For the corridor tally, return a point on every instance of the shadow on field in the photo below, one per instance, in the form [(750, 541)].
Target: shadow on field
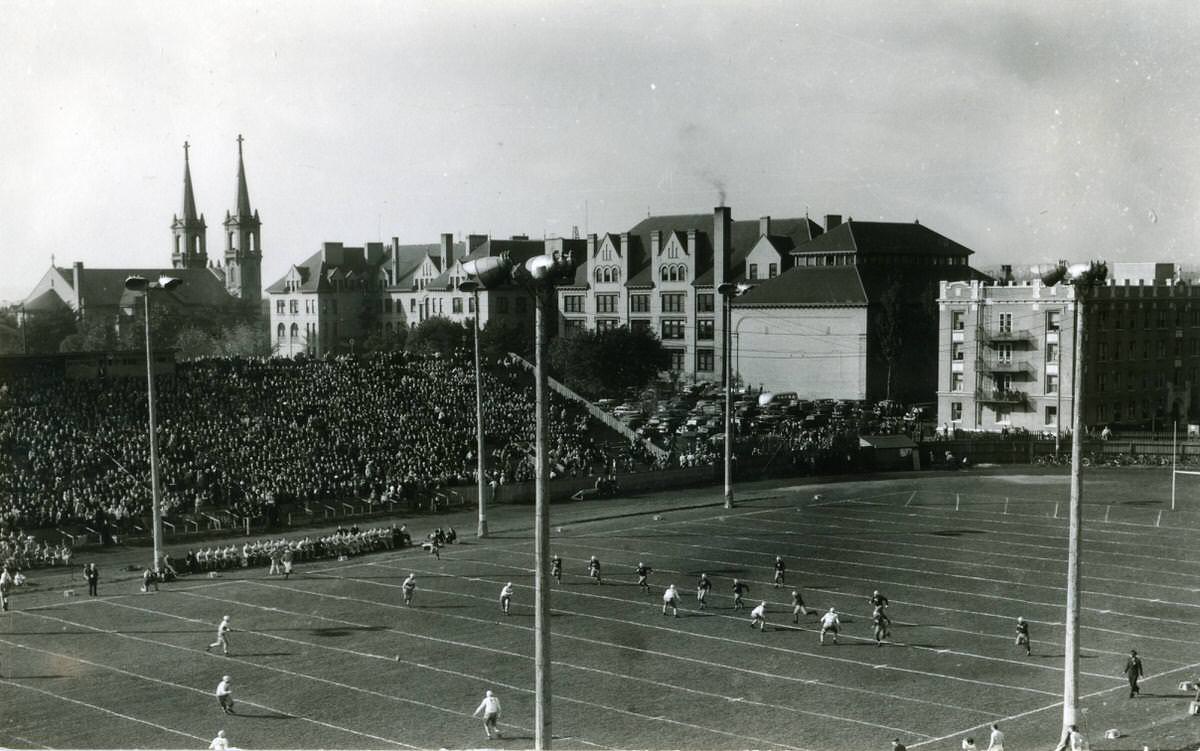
[(265, 654), (267, 715)]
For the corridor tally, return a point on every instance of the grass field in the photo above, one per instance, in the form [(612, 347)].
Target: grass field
[(333, 659)]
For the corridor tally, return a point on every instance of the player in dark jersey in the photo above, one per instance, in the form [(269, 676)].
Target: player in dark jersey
[(642, 572), (797, 606), (739, 589), (1023, 636), (882, 625), (594, 569), (878, 601), (780, 571), (556, 568), (703, 585)]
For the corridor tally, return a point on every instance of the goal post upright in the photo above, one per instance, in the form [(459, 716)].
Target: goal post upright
[(1174, 459)]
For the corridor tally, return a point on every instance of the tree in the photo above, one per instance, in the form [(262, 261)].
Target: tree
[(45, 331), (438, 336), (386, 341), (502, 335), (889, 329), (243, 340), (609, 362), (192, 343), (95, 333)]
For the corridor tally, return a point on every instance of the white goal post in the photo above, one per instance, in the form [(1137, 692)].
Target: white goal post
[(1175, 470)]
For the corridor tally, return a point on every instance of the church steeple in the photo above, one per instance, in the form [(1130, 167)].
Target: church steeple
[(243, 254), (190, 232)]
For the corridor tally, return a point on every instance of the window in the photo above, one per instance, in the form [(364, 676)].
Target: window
[(958, 320), (704, 303), (295, 332), (279, 307), (639, 324), (607, 324), (1002, 414), (606, 303), (677, 356), (573, 304), (1051, 415), (294, 307), (1145, 350), (704, 360), (1004, 353), (1101, 382), (1102, 351), (1006, 323), (956, 411), (456, 305), (280, 330), (672, 302), (1051, 383), (956, 381), (956, 351), (1162, 319), (704, 329), (1161, 349), (387, 305), (1052, 352), (772, 270), (672, 328), (752, 274), (1053, 320), (471, 304), (412, 305), (573, 324), (641, 303)]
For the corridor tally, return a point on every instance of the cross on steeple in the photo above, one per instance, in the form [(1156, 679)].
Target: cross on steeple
[(186, 145), (239, 140)]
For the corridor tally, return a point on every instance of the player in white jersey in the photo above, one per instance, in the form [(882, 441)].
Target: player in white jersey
[(671, 600), (223, 629)]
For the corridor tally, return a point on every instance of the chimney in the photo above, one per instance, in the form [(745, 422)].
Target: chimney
[(691, 243), (395, 258), (574, 231), (832, 220), (447, 251), (1006, 270), (655, 243), (474, 242), (764, 226), (77, 282), (722, 244), (624, 244)]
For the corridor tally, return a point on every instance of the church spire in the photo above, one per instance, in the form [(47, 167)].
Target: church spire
[(243, 194), (189, 199)]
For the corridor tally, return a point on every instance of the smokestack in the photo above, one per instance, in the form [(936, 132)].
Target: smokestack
[(395, 259), (77, 281), (447, 248), (832, 220), (1006, 270), (764, 226), (722, 244)]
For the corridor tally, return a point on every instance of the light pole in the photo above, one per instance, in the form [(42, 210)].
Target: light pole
[(727, 292), (538, 276), (472, 286), (145, 286)]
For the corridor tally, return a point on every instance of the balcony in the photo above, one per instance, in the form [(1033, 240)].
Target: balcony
[(985, 365), (1009, 335), (1000, 396)]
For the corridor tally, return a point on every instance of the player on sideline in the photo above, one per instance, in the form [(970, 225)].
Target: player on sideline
[(149, 579), (780, 571), (223, 629), (506, 593), (642, 572), (556, 568), (1023, 636), (409, 586), (287, 558), (758, 617), (882, 626), (797, 606), (490, 706), (594, 569), (739, 589), (225, 695), (830, 623), (671, 600), (703, 585)]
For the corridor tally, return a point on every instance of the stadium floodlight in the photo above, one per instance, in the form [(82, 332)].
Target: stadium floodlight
[(728, 291), (489, 271), (137, 283)]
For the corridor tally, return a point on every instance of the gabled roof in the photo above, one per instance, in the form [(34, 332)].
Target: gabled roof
[(47, 302), (823, 286), (407, 260), (876, 238), (106, 287)]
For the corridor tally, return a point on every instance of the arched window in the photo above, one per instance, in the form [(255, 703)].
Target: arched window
[(599, 274), (616, 275), (280, 331), (663, 273), (295, 330), (253, 242), (683, 273)]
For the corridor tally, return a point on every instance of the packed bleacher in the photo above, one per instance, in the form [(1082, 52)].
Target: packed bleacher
[(246, 435)]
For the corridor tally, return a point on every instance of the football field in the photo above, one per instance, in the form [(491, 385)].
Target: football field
[(333, 658)]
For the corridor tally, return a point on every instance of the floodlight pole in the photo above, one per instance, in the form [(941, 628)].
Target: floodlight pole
[(1074, 534), (541, 625), (155, 488), (480, 486)]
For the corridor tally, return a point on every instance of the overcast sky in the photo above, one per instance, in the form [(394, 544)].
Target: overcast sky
[(1027, 131)]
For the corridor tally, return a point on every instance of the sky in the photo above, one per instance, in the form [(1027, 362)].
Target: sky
[(1028, 131)]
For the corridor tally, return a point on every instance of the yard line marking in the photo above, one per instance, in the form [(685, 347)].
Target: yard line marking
[(910, 499), (82, 703), (587, 640), (960, 653), (478, 678), (742, 642), (172, 684), (31, 743)]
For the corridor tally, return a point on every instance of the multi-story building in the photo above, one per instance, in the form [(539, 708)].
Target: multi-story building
[(663, 275), (851, 317), (1006, 351)]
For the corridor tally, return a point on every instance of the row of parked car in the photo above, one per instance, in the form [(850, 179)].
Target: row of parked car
[(699, 412)]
